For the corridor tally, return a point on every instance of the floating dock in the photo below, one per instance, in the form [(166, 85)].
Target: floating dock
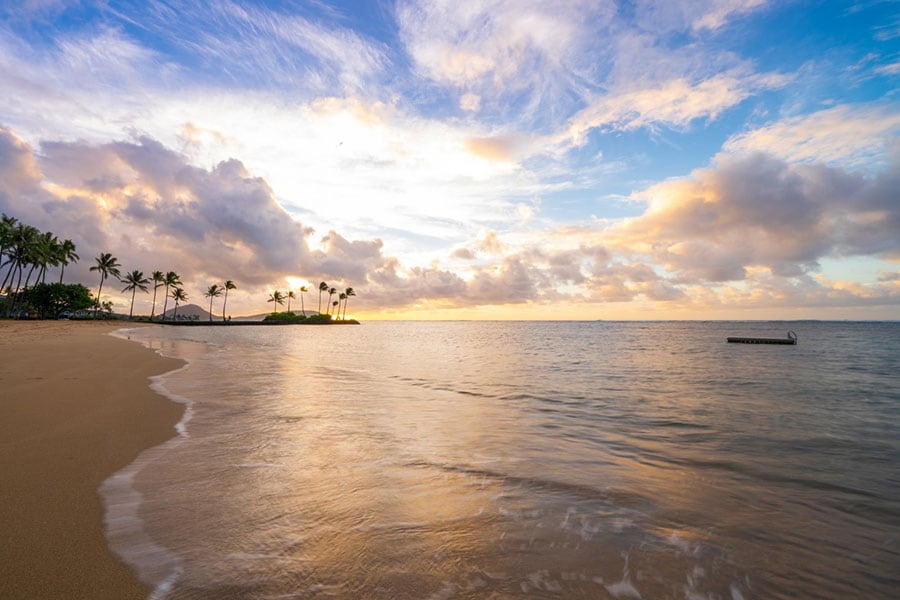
[(791, 339)]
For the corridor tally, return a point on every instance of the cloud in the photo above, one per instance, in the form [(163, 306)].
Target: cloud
[(758, 211), (852, 136), (674, 103), (500, 50)]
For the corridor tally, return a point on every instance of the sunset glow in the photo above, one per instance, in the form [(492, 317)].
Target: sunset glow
[(720, 159)]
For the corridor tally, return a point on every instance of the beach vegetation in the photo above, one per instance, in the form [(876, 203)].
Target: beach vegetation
[(347, 293), (213, 291), (229, 285), (27, 254), (108, 265), (135, 281), (159, 279), (171, 280), (323, 287), (277, 298), (50, 300), (286, 316), (303, 290), (178, 295), (66, 256), (290, 295)]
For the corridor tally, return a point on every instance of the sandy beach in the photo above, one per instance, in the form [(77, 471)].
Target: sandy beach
[(75, 407)]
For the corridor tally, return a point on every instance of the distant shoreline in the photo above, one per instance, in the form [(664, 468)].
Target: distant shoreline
[(245, 323)]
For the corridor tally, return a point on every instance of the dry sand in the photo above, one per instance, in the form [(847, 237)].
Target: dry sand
[(75, 407)]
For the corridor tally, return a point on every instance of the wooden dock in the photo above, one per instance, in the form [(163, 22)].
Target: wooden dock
[(791, 340)]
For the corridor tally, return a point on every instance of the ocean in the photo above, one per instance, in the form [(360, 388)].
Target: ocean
[(432, 460)]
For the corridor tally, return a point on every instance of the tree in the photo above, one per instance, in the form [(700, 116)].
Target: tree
[(334, 306), (341, 298), (214, 291), (134, 281), (159, 279), (171, 280), (323, 287), (347, 293), (66, 256), (290, 296), (276, 297), (229, 285), (107, 265), (331, 292), (303, 290), (178, 295), (51, 299)]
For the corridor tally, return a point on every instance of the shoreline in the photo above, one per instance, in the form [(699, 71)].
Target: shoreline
[(76, 408)]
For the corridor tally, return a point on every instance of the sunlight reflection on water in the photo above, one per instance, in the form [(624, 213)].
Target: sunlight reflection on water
[(415, 460)]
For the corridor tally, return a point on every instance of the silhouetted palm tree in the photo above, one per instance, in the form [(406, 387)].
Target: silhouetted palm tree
[(348, 292), (171, 280), (67, 256), (178, 295), (159, 279), (107, 265), (303, 290), (331, 292), (229, 285), (334, 306), (323, 287), (276, 297), (134, 281), (214, 291), (341, 298), (290, 295)]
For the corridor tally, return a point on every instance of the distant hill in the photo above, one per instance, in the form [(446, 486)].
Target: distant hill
[(191, 311), (198, 313)]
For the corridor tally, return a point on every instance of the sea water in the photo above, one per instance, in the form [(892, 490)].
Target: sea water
[(520, 460)]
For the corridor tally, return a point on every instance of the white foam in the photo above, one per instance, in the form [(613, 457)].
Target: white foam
[(153, 564)]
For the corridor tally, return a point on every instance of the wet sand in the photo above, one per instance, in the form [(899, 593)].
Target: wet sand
[(75, 407)]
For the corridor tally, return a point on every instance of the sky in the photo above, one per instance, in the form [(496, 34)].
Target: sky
[(485, 159)]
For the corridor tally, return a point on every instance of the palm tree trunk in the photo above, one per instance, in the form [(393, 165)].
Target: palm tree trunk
[(99, 291), (153, 308), (210, 308), (224, 302), (131, 312), (302, 308), (62, 270), (165, 304)]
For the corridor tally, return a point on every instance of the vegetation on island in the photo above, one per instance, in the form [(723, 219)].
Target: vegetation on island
[(26, 255)]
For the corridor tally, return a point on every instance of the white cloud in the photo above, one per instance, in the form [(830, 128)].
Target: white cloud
[(852, 136)]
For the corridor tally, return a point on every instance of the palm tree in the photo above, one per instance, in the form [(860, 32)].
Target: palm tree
[(290, 295), (107, 265), (214, 291), (303, 290), (134, 281), (229, 285), (276, 297), (178, 295), (7, 225), (341, 298), (323, 287), (159, 280), (20, 250), (171, 279), (334, 306), (331, 292), (66, 256), (348, 292)]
